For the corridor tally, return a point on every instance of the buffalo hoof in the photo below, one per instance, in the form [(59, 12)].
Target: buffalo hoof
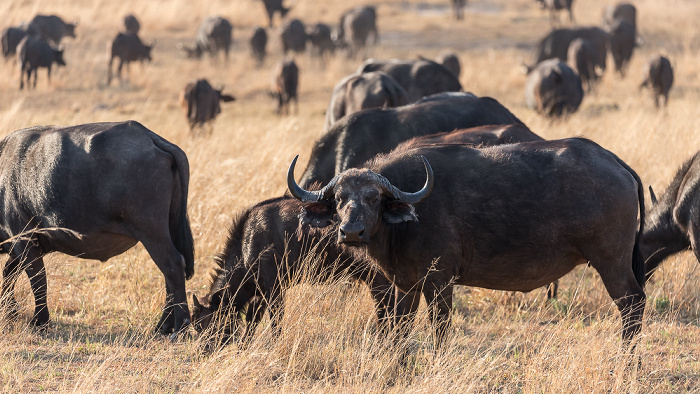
[(166, 325)]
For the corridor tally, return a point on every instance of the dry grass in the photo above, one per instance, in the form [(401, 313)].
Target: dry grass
[(101, 339)]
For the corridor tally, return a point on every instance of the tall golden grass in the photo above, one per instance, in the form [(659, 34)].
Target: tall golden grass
[(102, 340)]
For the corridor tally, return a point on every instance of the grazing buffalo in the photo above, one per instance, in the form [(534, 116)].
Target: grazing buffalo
[(201, 103), (214, 34), (131, 24), (556, 44), (94, 191), (623, 40), (11, 37), (363, 91), (51, 28), (359, 137), (503, 231), (258, 43), (620, 11), (673, 222), (319, 35), (355, 28), (557, 5), (480, 136), (127, 48), (450, 61), (34, 52), (458, 8), (264, 256), (419, 78), (581, 58), (553, 89), (658, 75), (293, 36), (285, 84), (272, 6)]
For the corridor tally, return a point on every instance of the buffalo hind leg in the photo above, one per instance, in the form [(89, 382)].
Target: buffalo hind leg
[(629, 297), (25, 257)]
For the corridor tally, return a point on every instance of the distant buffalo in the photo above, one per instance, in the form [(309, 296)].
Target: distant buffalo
[(673, 222), (34, 52), (127, 48), (131, 24), (51, 27), (293, 36), (285, 85), (418, 77), (94, 191), (620, 11), (458, 9), (553, 89), (557, 5), (581, 58), (272, 6), (11, 37), (258, 44), (363, 91), (356, 26), (555, 44), (215, 34), (658, 76), (623, 40), (201, 103), (450, 61), (319, 35), (362, 135)]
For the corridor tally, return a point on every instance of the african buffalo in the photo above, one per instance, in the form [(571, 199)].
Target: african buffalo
[(127, 48), (581, 58), (362, 135), (503, 231), (620, 11), (285, 84), (673, 222), (557, 5), (450, 61), (623, 40), (556, 44), (94, 191), (362, 91), (10, 39), (201, 103), (34, 52), (553, 89), (658, 75), (272, 6), (264, 256), (458, 9), (131, 24), (51, 28), (319, 35), (293, 36), (356, 26), (419, 78), (258, 43), (214, 34)]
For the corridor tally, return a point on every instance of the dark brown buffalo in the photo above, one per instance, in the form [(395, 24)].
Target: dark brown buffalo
[(51, 28), (215, 34), (11, 37), (264, 256), (581, 58), (553, 89), (293, 36), (673, 222), (620, 11), (480, 136), (555, 44), (362, 135), (201, 103), (258, 43), (355, 27), (488, 218), (34, 52), (450, 61), (127, 48), (458, 8), (623, 40), (557, 5), (419, 78), (112, 185), (319, 35), (658, 76), (363, 91), (272, 6), (131, 24), (285, 85)]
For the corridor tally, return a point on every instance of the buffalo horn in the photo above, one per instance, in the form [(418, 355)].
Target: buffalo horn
[(412, 198), (304, 195)]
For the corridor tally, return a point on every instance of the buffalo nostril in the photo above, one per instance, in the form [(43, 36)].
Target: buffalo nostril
[(362, 232), (342, 233)]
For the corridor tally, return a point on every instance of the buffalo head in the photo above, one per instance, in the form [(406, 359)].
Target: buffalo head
[(361, 200), (58, 56)]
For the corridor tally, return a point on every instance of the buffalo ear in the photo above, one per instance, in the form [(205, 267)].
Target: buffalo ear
[(653, 196), (317, 214), (226, 97), (398, 212)]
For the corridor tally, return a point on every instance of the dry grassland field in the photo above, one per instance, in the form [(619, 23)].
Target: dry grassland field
[(103, 314)]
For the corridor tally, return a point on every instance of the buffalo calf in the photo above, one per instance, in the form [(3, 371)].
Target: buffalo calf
[(127, 48), (201, 103), (285, 84), (34, 52), (658, 76), (553, 89), (98, 207)]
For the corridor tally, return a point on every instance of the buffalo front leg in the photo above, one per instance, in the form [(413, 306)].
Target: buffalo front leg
[(36, 272), (9, 277), (439, 300)]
